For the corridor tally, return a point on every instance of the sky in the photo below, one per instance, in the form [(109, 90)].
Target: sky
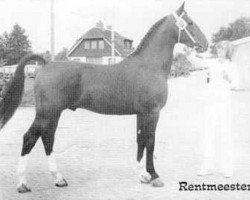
[(131, 18)]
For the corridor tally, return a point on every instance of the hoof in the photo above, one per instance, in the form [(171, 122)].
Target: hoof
[(204, 172), (61, 183), (145, 178), (157, 183), (227, 174), (23, 188)]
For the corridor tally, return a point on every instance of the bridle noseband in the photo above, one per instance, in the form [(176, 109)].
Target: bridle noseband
[(182, 25)]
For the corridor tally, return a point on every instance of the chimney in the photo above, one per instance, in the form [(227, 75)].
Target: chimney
[(100, 25)]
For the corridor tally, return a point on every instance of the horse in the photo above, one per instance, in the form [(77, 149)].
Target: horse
[(138, 85)]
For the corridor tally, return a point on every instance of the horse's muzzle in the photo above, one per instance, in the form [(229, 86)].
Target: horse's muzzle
[(200, 48)]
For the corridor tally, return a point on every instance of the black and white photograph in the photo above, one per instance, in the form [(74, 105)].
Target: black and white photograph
[(124, 100)]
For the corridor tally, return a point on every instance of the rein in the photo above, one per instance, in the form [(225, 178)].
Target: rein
[(182, 25)]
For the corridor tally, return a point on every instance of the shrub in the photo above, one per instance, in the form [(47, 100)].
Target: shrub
[(181, 66)]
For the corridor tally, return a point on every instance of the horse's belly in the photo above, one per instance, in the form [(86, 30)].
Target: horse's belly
[(110, 109), (105, 105), (123, 106)]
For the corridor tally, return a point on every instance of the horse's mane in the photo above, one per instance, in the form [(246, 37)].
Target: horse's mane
[(145, 40)]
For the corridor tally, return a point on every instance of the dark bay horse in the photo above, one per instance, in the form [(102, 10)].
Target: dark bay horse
[(137, 85)]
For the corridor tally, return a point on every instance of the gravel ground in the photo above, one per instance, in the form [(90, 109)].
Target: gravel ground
[(96, 153)]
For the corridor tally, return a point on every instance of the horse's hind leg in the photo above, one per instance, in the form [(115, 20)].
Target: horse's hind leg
[(48, 136), (44, 126), (29, 140)]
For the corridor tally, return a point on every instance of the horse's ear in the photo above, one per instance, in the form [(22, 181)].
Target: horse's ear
[(181, 9)]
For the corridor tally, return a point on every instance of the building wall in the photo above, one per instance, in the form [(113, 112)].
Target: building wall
[(95, 60), (10, 69), (79, 59), (105, 59), (241, 57), (80, 51)]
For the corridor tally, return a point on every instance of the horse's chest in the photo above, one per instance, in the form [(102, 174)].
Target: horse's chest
[(153, 100)]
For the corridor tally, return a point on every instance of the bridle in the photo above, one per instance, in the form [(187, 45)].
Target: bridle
[(182, 25)]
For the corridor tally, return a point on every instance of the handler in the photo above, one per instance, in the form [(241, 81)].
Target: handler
[(222, 77)]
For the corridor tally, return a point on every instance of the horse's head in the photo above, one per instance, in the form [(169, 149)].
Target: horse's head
[(188, 32)]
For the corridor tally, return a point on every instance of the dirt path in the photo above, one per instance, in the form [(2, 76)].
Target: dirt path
[(96, 153)]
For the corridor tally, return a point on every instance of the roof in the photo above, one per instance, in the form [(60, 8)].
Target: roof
[(101, 33), (241, 41)]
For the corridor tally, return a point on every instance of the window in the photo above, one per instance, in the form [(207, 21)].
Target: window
[(111, 61), (86, 44), (94, 60), (93, 44), (101, 44), (77, 59), (127, 45)]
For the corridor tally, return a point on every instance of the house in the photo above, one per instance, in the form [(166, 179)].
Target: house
[(241, 56), (8, 71), (95, 46)]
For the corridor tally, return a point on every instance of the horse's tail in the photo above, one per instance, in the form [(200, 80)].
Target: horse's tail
[(13, 91)]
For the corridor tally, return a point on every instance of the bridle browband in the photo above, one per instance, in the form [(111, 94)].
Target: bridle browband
[(182, 25)]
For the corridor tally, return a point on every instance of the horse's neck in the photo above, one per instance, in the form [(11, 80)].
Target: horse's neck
[(160, 59), (158, 53)]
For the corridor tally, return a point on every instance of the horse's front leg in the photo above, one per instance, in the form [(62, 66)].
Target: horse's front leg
[(151, 121), (146, 138), (144, 176)]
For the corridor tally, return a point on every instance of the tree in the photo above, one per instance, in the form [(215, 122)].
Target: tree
[(181, 66), (238, 29), (47, 55), (62, 55), (4, 48), (18, 45)]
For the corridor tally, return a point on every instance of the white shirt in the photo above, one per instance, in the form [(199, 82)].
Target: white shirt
[(223, 75)]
